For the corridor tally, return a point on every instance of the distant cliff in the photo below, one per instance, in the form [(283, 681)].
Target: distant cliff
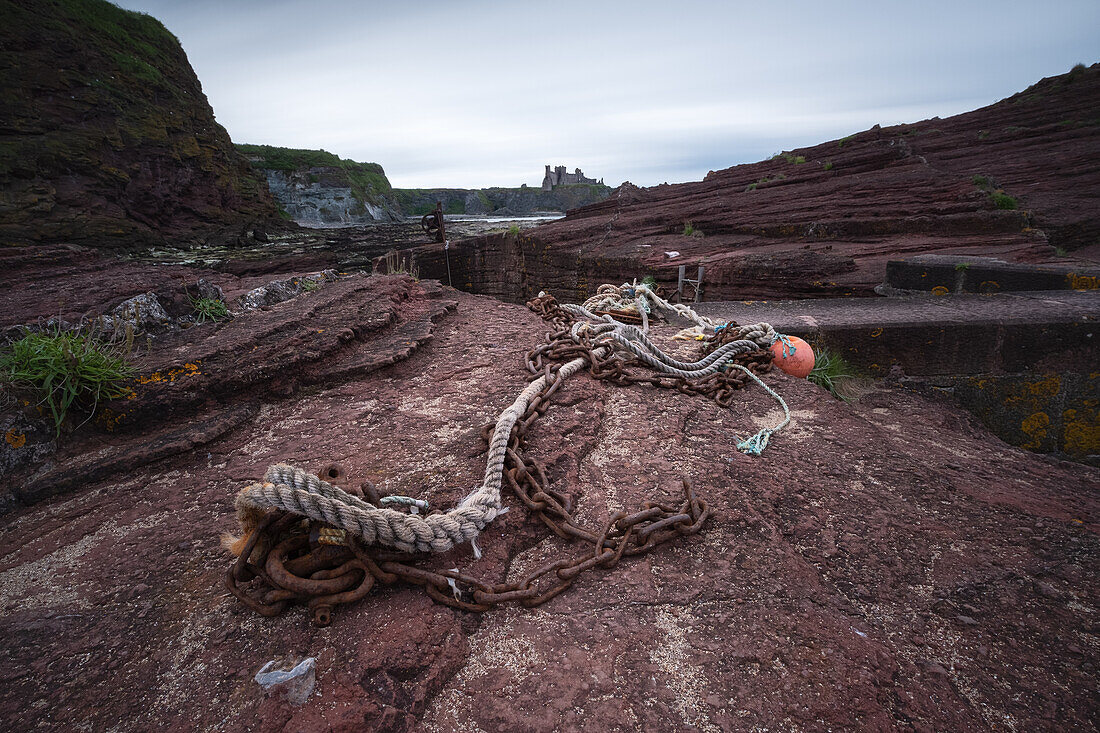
[(317, 188), (106, 137), (499, 201)]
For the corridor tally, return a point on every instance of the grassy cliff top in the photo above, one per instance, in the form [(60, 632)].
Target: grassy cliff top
[(364, 175), (126, 51)]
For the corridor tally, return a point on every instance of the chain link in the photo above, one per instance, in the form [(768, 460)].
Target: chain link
[(288, 559)]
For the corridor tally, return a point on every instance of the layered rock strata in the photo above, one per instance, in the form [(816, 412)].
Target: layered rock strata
[(884, 564), (1015, 180), (107, 138)]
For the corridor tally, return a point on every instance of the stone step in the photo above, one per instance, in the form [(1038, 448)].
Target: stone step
[(1026, 363), (951, 334)]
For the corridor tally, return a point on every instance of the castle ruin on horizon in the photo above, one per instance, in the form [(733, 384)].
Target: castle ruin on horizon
[(559, 177)]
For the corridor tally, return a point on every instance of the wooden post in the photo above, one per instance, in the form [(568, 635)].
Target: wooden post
[(699, 286), (680, 284)]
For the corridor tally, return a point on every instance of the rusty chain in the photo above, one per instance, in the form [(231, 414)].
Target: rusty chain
[(289, 559)]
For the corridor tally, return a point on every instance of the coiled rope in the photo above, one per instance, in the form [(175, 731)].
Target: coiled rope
[(300, 492)]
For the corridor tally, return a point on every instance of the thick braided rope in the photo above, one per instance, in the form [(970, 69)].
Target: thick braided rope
[(679, 309), (635, 341), (611, 297), (300, 492), (761, 333)]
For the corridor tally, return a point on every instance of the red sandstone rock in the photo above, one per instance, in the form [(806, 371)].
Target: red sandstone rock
[(827, 226), (108, 138), (886, 564)]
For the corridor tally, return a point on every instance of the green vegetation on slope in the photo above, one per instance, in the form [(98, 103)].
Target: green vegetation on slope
[(367, 180), (62, 370), (100, 97)]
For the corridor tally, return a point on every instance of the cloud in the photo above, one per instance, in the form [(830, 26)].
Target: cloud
[(485, 93)]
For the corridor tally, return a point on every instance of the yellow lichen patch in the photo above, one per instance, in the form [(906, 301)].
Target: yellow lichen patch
[(14, 439), (1035, 427), (108, 419), (1082, 282), (170, 375), (1081, 431), (1046, 387)]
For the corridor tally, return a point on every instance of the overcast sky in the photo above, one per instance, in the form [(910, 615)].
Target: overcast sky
[(479, 93)]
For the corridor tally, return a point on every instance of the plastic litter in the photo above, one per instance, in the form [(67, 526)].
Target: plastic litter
[(297, 683)]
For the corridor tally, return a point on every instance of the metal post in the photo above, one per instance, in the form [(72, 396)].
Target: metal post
[(442, 236), (447, 255)]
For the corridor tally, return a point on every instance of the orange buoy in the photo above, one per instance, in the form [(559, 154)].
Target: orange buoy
[(797, 359)]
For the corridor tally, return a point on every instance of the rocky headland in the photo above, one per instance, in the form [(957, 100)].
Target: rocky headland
[(107, 139), (315, 188)]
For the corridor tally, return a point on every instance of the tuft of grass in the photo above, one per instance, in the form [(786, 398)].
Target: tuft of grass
[(762, 181), (1060, 252), (962, 267), (840, 143), (62, 370), (830, 372), (209, 309), (828, 165), (650, 282), (1002, 200), (789, 157), (689, 229), (514, 230), (395, 265), (308, 286), (983, 134)]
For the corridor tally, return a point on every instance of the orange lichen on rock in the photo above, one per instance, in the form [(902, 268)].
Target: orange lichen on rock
[(14, 439), (170, 375)]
